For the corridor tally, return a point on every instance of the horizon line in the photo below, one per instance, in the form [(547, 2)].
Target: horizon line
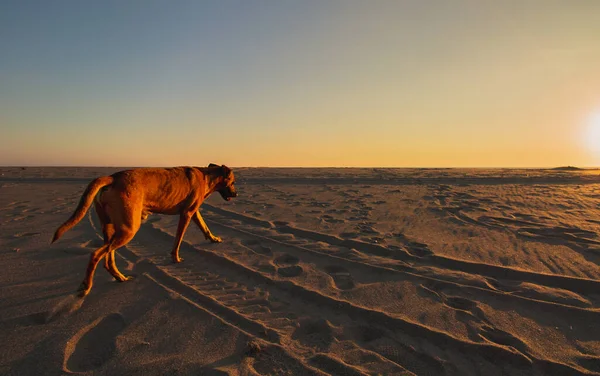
[(317, 167)]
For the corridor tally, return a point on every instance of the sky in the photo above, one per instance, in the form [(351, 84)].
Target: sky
[(311, 83)]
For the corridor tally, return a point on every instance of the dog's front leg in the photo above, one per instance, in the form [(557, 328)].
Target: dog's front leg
[(184, 221), (207, 234)]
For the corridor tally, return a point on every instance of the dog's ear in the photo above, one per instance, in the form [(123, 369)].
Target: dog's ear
[(226, 170), (213, 165)]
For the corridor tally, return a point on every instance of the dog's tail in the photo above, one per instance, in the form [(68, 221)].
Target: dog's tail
[(84, 204)]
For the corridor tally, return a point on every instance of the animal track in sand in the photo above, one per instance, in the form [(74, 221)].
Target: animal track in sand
[(341, 277), (459, 303), (419, 249), (413, 247), (93, 345), (290, 271), (319, 204), (467, 306), (349, 235), (367, 228), (503, 338), (317, 333), (330, 219), (287, 266)]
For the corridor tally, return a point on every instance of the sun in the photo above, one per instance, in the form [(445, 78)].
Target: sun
[(592, 136)]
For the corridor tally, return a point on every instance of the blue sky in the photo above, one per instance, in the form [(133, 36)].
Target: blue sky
[(300, 83)]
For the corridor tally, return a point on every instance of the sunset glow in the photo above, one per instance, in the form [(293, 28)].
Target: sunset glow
[(339, 83), (593, 133)]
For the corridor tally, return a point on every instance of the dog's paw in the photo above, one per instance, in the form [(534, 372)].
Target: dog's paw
[(127, 278), (216, 239), (83, 290), (177, 260)]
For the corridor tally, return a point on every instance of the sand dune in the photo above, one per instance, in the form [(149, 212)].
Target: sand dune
[(322, 271)]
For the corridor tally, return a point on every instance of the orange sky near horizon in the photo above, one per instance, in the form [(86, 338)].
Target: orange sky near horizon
[(342, 83)]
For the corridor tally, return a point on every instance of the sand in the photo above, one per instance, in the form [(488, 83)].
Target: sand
[(321, 271)]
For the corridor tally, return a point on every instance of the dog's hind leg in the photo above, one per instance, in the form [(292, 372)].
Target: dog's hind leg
[(96, 256), (184, 221), (108, 231), (111, 266), (205, 230), (109, 259), (120, 238)]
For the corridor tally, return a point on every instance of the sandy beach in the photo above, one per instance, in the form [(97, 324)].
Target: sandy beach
[(345, 271)]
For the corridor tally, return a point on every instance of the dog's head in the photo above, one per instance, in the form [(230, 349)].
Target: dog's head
[(226, 186)]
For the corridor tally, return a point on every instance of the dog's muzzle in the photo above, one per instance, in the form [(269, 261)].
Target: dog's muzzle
[(228, 193)]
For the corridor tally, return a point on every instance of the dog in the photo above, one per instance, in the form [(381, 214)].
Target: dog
[(124, 199)]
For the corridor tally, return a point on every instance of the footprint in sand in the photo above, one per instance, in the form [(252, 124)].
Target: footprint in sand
[(95, 344), (341, 277), (287, 266), (459, 303), (290, 271), (367, 228), (349, 235), (318, 333), (503, 338), (330, 219), (419, 249)]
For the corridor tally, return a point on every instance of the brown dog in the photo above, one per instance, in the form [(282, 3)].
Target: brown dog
[(127, 197)]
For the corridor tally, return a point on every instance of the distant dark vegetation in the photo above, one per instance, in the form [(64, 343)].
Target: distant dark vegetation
[(567, 168)]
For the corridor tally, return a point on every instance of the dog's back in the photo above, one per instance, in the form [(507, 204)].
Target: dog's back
[(156, 189)]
